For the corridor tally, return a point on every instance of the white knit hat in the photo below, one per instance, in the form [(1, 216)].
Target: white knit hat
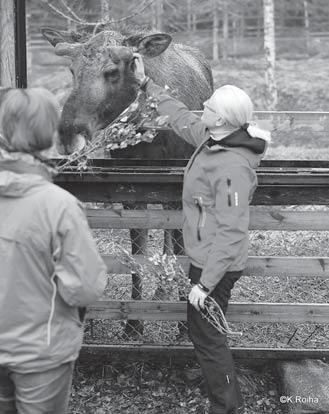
[(231, 106)]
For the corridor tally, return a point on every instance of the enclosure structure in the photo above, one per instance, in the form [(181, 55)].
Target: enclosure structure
[(282, 183), (13, 44)]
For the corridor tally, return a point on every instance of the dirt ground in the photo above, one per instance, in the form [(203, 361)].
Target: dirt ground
[(143, 388)]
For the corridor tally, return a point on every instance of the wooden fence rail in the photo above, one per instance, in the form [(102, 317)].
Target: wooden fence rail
[(294, 184), (280, 184), (261, 218), (108, 352), (237, 312), (262, 266)]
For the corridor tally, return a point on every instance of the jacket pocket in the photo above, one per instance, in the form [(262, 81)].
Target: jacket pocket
[(198, 200)]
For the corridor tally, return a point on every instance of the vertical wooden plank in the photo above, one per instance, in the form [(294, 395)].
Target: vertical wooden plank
[(7, 43)]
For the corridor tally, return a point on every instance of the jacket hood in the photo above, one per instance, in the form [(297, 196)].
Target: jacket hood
[(241, 142), (241, 139), (18, 185), (19, 176)]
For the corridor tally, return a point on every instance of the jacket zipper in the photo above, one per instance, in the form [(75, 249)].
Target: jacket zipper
[(229, 193), (202, 215)]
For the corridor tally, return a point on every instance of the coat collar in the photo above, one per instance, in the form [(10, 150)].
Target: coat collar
[(21, 163)]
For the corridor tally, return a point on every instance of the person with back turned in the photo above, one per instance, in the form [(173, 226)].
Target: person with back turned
[(50, 269)]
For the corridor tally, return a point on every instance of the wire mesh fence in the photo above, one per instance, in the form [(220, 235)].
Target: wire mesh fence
[(135, 285), (157, 286)]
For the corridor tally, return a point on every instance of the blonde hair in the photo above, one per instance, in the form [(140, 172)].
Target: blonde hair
[(29, 118)]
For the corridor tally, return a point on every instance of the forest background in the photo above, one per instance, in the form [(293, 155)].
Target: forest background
[(229, 32), (276, 50)]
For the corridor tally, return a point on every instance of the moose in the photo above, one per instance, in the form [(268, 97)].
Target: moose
[(104, 84)]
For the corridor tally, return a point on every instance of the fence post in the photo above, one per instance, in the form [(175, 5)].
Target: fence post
[(20, 43), (7, 43), (12, 43)]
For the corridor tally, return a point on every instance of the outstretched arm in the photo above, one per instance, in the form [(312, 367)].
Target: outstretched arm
[(184, 123)]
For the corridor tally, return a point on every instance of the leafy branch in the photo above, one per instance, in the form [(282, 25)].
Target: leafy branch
[(128, 128), (170, 275)]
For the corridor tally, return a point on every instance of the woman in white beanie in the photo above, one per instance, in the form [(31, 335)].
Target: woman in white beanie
[(219, 182)]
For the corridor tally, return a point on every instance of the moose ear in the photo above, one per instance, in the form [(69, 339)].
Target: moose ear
[(152, 45), (60, 36)]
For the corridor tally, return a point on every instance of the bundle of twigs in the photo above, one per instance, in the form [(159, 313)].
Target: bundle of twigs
[(170, 274), (128, 128)]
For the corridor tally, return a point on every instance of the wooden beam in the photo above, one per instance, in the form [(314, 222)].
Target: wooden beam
[(286, 121), (7, 44), (135, 164), (161, 192), (256, 266), (164, 184), (275, 177), (140, 350), (261, 218), (237, 312), (288, 266)]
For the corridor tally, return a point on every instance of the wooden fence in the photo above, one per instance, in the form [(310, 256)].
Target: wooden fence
[(281, 183)]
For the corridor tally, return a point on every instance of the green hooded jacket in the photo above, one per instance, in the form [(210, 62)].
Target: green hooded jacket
[(219, 183), (49, 268)]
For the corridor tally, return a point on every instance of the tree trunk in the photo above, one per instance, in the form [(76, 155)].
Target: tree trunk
[(29, 55), (159, 14), (269, 49), (307, 26), (215, 52), (154, 16), (242, 25), (225, 30), (105, 10), (7, 44), (189, 15), (259, 28), (194, 22), (235, 34)]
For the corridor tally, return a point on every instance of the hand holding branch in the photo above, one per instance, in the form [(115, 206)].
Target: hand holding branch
[(139, 68), (197, 297)]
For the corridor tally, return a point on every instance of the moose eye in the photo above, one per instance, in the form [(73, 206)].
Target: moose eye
[(111, 74), (132, 65), (72, 72)]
